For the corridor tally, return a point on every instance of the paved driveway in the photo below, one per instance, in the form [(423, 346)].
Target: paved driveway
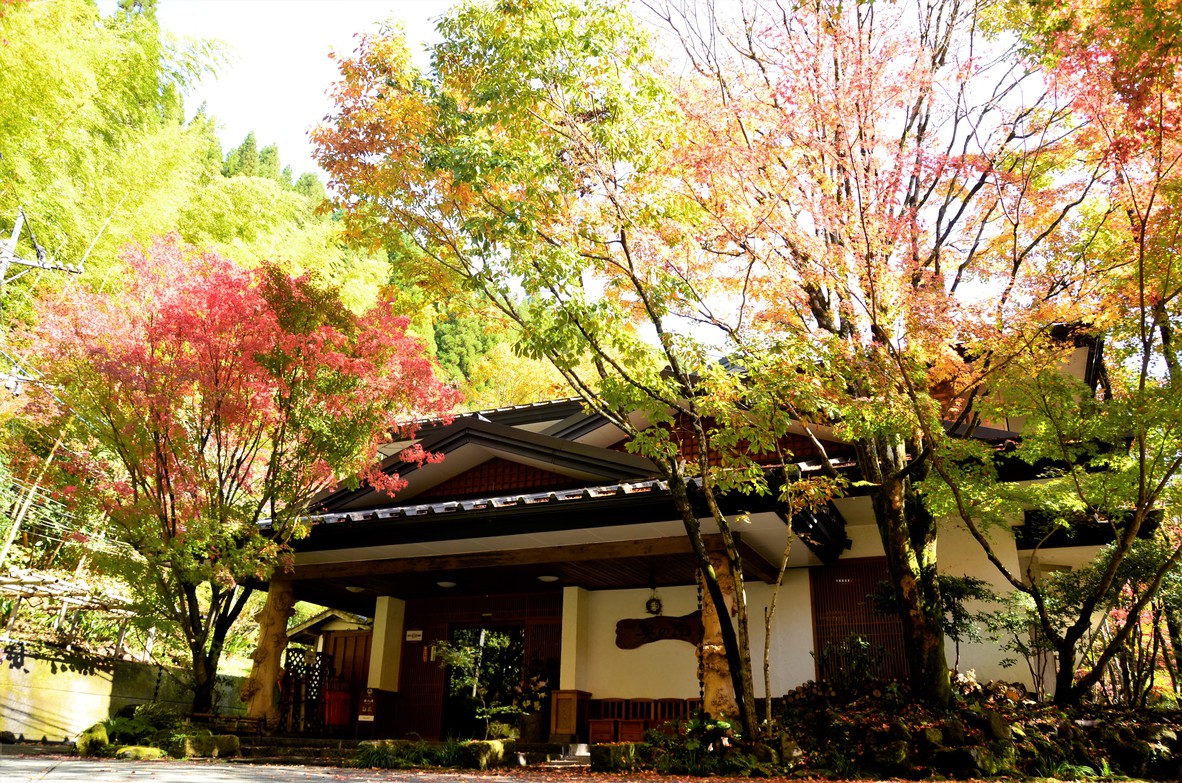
[(43, 769)]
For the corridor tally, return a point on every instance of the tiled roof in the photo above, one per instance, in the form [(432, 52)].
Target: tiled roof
[(493, 503), (622, 489)]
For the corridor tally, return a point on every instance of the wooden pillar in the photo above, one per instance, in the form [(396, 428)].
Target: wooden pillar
[(718, 690), (573, 656), (259, 690), (385, 652), (568, 716)]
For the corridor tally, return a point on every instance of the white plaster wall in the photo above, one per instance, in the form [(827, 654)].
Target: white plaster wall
[(790, 660), (670, 668), (40, 698), (960, 555), (865, 541), (664, 669)]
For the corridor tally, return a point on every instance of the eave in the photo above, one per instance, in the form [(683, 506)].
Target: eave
[(481, 440)]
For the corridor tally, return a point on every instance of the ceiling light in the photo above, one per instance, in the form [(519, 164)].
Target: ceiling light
[(445, 583), (547, 578), (355, 589)]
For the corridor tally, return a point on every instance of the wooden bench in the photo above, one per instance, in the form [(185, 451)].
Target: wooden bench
[(604, 716), (626, 720)]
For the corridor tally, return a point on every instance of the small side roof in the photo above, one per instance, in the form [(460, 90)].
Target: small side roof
[(307, 631)]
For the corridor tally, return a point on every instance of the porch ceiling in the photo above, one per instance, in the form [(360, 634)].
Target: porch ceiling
[(661, 562)]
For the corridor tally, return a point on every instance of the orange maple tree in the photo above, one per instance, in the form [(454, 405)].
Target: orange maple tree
[(878, 213)]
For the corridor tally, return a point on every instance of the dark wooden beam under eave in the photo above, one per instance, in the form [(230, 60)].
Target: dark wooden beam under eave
[(753, 563)]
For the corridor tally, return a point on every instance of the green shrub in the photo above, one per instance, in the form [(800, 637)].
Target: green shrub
[(406, 754), (143, 724), (128, 731), (502, 731)]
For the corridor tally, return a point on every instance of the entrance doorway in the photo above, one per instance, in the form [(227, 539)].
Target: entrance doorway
[(485, 668), (423, 678)]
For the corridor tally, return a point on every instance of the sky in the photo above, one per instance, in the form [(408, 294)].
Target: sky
[(279, 70)]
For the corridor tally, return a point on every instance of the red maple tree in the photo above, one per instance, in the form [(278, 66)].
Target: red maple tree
[(204, 399)]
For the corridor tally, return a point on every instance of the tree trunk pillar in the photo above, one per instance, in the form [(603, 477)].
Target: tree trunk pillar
[(260, 689), (718, 688)]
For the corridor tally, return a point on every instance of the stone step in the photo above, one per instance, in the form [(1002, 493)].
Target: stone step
[(570, 762), (316, 751), (37, 749), (325, 753), (289, 761), (300, 742)]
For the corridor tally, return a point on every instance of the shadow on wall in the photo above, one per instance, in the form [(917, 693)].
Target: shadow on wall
[(57, 694)]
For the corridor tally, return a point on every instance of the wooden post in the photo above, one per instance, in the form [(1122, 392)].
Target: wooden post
[(149, 643), (568, 716), (122, 638), (718, 690), (16, 607), (259, 690)]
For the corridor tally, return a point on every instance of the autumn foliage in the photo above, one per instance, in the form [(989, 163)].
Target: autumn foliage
[(898, 222), (202, 399)]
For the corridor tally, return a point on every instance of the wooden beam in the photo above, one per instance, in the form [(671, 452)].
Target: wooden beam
[(613, 550), (755, 565)]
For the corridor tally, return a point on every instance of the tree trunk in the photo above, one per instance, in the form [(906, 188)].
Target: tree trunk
[(206, 629), (738, 659), (258, 690), (1174, 629), (204, 680), (1065, 692), (909, 540), (717, 683)]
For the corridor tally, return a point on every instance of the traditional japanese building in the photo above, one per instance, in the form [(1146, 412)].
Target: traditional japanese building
[(538, 519)]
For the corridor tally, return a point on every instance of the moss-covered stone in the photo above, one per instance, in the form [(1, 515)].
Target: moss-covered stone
[(790, 750), (893, 756), (93, 742), (227, 745), (954, 732), (482, 754), (1158, 733), (996, 726), (139, 753), (191, 747), (614, 757), (930, 737), (204, 745), (994, 758)]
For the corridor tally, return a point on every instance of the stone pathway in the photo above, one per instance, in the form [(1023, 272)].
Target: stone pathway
[(44, 769)]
